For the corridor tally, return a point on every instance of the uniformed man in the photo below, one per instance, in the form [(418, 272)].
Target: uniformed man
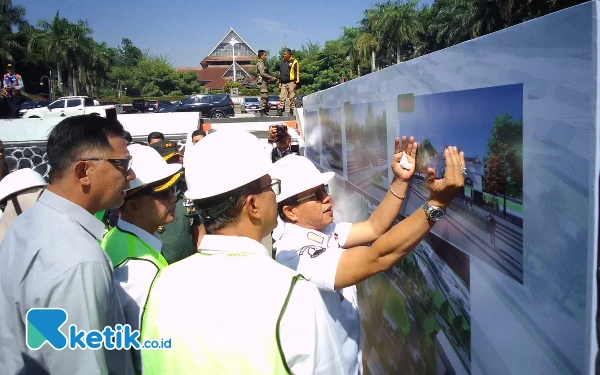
[(133, 245), (244, 313), (336, 257), (181, 237), (262, 82), (289, 77), (13, 85)]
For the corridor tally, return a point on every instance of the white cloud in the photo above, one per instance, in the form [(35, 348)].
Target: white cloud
[(272, 26)]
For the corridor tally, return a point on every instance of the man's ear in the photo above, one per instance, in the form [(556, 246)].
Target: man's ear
[(251, 207), (290, 213), (82, 172)]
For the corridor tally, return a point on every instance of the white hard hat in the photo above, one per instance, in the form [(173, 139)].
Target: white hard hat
[(150, 167), (224, 161), (297, 174), (19, 180)]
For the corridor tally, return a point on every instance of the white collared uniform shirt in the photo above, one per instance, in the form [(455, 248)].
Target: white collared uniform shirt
[(132, 279), (315, 255)]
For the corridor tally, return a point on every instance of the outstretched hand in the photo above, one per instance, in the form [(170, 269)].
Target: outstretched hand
[(406, 169), (443, 190)]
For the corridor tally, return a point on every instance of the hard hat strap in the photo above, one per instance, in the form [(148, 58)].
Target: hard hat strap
[(211, 213)]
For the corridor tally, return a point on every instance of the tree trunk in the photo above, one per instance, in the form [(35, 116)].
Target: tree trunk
[(70, 77), (59, 77), (398, 55), (373, 68), (358, 69), (75, 80)]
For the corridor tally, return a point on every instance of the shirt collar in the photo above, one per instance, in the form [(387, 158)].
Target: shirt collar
[(75, 212), (213, 244), (151, 239)]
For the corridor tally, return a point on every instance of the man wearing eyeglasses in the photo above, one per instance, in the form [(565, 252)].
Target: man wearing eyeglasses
[(51, 257), (336, 257), (245, 314), (134, 246)]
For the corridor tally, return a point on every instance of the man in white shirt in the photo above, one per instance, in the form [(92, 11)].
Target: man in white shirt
[(133, 245), (244, 313), (336, 257)]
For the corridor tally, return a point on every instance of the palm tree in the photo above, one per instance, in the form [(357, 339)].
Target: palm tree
[(349, 39), (401, 22), (11, 17), (367, 44), (53, 42)]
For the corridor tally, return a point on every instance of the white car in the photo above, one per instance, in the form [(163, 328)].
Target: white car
[(71, 106)]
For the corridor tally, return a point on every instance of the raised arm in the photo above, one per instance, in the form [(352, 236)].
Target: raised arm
[(359, 263)]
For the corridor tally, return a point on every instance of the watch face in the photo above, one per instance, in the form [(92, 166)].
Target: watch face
[(436, 214)]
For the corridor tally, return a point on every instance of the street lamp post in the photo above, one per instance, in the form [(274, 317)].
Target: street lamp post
[(49, 84), (233, 42)]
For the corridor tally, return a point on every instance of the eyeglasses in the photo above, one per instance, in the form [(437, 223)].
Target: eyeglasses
[(318, 194), (275, 185), (123, 163)]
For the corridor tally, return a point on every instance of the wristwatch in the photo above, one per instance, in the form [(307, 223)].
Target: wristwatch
[(433, 213)]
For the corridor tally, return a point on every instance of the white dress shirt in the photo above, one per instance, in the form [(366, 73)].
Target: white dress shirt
[(316, 255)]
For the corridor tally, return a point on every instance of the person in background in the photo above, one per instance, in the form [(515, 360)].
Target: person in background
[(197, 136), (338, 256), (279, 136), (231, 309), (18, 193), (155, 137), (181, 237), (13, 85), (133, 244), (289, 77), (51, 257), (262, 81)]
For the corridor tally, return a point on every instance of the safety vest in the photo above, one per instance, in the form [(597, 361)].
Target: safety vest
[(121, 246), (11, 81), (229, 321)]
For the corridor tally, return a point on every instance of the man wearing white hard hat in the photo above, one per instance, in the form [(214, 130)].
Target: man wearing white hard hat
[(19, 191), (336, 257), (134, 246), (245, 314)]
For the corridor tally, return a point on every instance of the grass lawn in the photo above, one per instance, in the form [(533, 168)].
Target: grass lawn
[(395, 306), (510, 205)]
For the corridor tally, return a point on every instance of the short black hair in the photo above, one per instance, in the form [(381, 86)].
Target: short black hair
[(261, 52), (198, 132), (74, 136), (287, 50), (156, 135), (127, 136)]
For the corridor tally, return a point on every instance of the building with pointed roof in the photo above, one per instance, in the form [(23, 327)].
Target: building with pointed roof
[(216, 69)]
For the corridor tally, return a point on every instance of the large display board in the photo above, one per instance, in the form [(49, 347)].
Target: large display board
[(506, 283)]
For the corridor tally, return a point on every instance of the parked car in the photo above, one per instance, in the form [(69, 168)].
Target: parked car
[(71, 106), (209, 105), (140, 105), (153, 105), (273, 101), (165, 106), (26, 106), (250, 104), (128, 108), (299, 100)]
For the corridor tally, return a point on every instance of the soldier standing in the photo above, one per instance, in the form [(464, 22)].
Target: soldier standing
[(262, 82), (13, 84), (289, 77)]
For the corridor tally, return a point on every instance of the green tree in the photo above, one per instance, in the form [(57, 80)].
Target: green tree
[(11, 17), (129, 55)]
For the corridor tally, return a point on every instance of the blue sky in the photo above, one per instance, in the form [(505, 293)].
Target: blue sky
[(462, 118), (187, 30)]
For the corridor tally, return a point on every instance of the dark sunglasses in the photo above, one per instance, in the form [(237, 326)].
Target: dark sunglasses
[(123, 163), (275, 185), (318, 194)]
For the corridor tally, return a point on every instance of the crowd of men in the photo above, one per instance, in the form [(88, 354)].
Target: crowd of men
[(183, 259)]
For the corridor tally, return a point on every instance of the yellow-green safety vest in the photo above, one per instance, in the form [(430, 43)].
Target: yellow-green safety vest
[(228, 323), (121, 245)]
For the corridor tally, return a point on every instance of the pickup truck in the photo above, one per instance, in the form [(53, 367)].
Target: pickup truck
[(71, 106)]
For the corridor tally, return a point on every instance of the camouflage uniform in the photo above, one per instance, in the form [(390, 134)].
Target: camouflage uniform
[(262, 82)]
